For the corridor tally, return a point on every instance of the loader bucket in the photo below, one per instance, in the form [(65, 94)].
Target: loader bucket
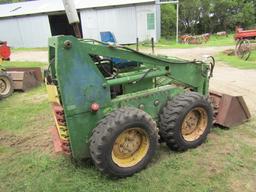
[(229, 110), (25, 78)]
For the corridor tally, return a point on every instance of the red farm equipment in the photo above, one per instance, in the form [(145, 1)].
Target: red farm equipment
[(196, 40), (245, 34), (21, 79), (6, 82), (5, 50), (244, 40)]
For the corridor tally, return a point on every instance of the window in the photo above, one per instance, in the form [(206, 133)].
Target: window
[(151, 21)]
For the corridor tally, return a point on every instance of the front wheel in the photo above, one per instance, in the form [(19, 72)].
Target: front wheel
[(124, 142), (185, 121), (6, 85)]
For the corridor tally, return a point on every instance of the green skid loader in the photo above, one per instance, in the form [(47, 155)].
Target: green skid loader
[(117, 115)]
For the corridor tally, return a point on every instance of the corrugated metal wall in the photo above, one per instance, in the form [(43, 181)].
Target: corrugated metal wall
[(28, 31), (158, 21), (127, 23)]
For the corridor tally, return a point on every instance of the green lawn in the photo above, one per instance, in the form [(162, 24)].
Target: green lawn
[(226, 162), (23, 64), (29, 49), (235, 61)]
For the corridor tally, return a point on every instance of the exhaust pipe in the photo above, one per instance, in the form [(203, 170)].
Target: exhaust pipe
[(72, 15)]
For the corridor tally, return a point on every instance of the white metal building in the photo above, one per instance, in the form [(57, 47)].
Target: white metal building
[(29, 24)]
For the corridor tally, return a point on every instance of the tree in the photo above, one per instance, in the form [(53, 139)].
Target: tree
[(10, 1), (229, 13), (204, 16), (205, 23), (168, 20), (189, 15)]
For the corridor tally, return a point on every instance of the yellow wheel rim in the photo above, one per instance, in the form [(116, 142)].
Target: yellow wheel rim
[(130, 147), (194, 124)]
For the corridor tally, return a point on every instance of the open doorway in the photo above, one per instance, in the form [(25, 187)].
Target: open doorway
[(60, 26)]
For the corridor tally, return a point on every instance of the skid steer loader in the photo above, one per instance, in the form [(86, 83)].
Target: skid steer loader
[(115, 115)]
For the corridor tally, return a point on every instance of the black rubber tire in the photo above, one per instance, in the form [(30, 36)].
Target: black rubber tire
[(6, 77), (105, 134), (173, 114)]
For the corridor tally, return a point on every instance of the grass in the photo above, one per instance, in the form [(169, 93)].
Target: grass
[(23, 64), (226, 162), (214, 41), (164, 43), (29, 49), (19, 108), (235, 61)]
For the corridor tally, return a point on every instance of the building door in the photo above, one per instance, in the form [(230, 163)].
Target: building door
[(60, 26), (146, 22)]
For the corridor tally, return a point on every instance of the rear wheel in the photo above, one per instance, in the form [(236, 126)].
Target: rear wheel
[(124, 142), (6, 85), (243, 49), (185, 121)]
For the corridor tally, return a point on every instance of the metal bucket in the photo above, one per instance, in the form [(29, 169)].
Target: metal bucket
[(25, 78), (229, 110)]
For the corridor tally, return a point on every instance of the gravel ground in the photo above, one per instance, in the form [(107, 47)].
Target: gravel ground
[(226, 79), (40, 56)]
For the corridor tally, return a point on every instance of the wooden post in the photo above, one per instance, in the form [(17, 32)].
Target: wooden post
[(153, 45), (137, 44)]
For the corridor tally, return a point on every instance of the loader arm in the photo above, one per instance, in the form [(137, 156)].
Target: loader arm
[(183, 71)]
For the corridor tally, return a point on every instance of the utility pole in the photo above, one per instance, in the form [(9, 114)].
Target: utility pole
[(177, 22), (161, 2)]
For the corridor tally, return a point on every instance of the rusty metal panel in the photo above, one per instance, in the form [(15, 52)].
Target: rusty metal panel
[(25, 78), (36, 70), (229, 110)]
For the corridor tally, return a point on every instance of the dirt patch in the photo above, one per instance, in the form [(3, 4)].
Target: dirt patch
[(37, 98), (229, 52), (35, 141), (241, 185), (218, 149)]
